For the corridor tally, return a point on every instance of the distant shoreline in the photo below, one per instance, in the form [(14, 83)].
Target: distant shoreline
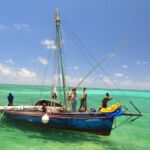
[(136, 90)]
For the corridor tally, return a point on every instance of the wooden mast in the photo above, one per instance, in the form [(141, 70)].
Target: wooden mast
[(59, 47)]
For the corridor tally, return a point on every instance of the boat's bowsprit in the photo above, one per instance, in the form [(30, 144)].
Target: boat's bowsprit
[(132, 114)]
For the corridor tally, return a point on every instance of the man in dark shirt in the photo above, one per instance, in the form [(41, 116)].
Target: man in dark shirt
[(83, 100), (105, 101), (10, 99)]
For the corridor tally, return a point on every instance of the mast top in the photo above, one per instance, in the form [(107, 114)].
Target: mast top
[(57, 18)]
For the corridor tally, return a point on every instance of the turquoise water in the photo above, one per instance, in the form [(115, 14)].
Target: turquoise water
[(131, 136)]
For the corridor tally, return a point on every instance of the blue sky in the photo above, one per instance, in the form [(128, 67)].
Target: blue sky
[(26, 32)]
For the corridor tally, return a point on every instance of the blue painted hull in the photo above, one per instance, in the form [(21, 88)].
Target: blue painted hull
[(87, 122)]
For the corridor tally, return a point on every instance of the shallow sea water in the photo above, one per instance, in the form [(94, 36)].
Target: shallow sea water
[(130, 136)]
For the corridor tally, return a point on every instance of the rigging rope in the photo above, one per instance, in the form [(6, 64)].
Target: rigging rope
[(46, 68), (85, 48), (44, 76), (90, 63), (125, 121), (98, 64), (101, 61), (5, 108)]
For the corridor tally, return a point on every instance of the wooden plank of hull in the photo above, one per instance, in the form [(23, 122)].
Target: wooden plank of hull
[(86, 122), (30, 108)]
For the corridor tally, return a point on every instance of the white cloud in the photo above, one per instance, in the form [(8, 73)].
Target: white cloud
[(9, 61), (125, 66), (49, 44), (127, 78), (42, 60), (25, 73), (147, 78), (139, 85), (105, 82), (106, 79), (76, 68), (13, 75), (23, 27), (144, 62), (112, 55), (118, 75), (4, 70), (9, 74), (137, 63), (141, 62), (124, 83), (73, 81), (73, 68), (19, 27)]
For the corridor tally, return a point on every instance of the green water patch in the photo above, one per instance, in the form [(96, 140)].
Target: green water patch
[(130, 136)]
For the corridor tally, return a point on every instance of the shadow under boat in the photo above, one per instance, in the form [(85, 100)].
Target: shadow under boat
[(93, 122), (60, 118)]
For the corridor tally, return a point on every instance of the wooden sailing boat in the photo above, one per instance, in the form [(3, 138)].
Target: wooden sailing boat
[(58, 116)]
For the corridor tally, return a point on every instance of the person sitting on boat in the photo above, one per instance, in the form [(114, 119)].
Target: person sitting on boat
[(72, 97), (54, 93), (44, 109), (105, 101), (10, 99), (83, 100)]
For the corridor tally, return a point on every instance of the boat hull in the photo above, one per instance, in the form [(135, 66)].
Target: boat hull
[(87, 122)]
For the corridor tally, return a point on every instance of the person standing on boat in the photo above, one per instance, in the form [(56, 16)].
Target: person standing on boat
[(10, 99), (105, 101), (54, 93), (83, 100), (73, 98)]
